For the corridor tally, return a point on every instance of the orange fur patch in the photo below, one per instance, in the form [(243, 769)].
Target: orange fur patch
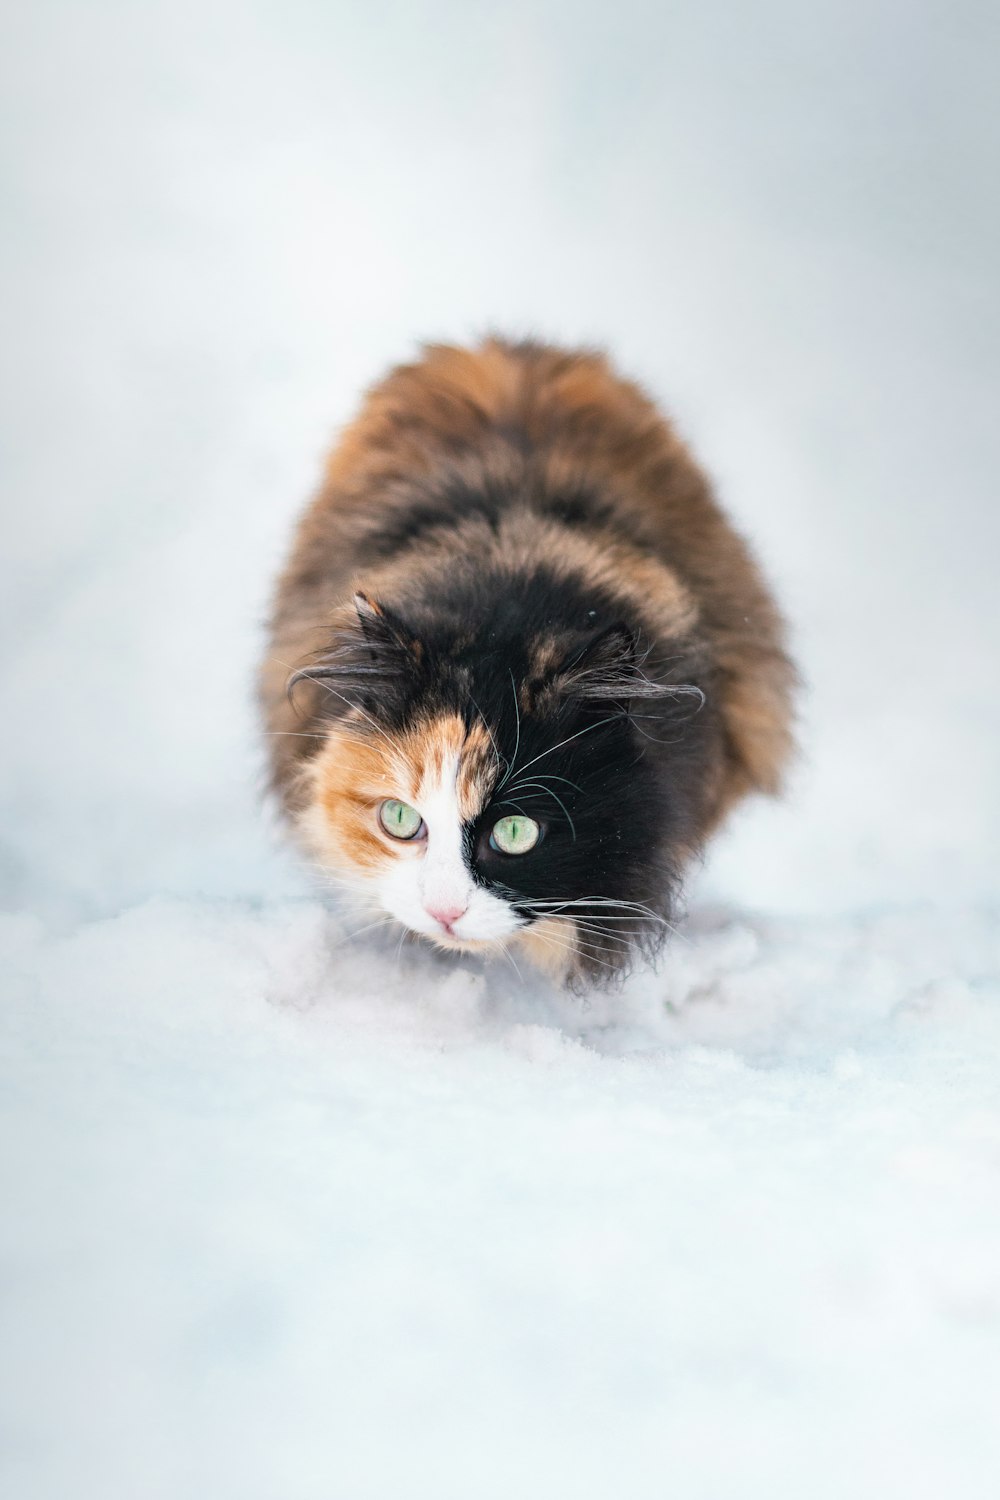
[(359, 767), (550, 945)]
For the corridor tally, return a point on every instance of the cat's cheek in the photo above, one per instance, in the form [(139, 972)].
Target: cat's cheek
[(488, 919), (398, 888), (344, 839), (550, 945)]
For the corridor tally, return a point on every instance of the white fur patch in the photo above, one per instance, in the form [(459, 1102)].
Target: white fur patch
[(436, 877)]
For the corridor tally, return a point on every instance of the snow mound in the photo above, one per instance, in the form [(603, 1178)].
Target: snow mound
[(293, 1215)]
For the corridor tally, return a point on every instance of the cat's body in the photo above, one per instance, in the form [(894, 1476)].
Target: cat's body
[(520, 664)]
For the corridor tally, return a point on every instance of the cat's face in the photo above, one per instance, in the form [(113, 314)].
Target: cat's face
[(484, 800)]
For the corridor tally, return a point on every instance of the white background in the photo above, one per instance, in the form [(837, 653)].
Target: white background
[(286, 1214)]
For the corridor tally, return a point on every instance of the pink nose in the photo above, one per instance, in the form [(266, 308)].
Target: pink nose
[(446, 915)]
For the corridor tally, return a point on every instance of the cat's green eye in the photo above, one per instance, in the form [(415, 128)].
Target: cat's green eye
[(399, 819), (515, 835)]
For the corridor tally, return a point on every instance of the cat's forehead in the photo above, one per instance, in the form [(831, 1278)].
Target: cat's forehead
[(443, 749), (440, 749)]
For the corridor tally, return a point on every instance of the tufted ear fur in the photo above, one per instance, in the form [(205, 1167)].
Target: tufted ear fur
[(371, 650), (389, 640), (610, 665)]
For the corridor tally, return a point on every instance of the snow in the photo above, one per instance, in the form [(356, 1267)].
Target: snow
[(289, 1212), (294, 1219)]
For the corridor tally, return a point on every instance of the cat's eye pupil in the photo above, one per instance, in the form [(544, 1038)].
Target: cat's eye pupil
[(399, 819), (515, 835)]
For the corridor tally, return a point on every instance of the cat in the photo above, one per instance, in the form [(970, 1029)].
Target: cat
[(520, 665)]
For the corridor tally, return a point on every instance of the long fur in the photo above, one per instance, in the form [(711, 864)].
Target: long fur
[(515, 535)]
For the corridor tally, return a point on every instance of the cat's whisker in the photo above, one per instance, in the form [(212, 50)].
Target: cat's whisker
[(489, 731), (602, 914), (348, 936), (648, 916), (654, 739), (584, 940), (547, 789), (602, 932), (638, 906), (300, 674), (505, 950), (570, 738), (357, 709), (517, 742), (593, 954), (341, 890), (508, 802), (327, 876), (573, 946), (550, 776), (345, 903), (633, 911), (295, 734)]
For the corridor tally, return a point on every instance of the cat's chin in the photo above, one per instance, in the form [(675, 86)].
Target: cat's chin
[(482, 947), (452, 944), (530, 942)]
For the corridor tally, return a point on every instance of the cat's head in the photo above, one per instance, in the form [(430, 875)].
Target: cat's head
[(491, 787)]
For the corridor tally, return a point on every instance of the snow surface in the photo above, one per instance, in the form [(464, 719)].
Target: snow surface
[(291, 1213)]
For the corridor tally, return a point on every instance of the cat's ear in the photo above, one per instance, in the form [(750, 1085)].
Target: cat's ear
[(611, 664), (371, 652), (383, 630), (604, 665)]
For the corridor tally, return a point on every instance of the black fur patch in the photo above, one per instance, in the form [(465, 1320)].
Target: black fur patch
[(604, 752)]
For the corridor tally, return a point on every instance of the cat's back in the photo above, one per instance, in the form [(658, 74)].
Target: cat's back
[(468, 435), (512, 455), (475, 431)]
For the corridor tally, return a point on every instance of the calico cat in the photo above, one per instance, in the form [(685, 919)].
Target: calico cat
[(520, 665)]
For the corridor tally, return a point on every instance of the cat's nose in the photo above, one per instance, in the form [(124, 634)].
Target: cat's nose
[(446, 915)]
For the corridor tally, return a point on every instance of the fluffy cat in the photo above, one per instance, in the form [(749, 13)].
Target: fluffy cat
[(520, 665)]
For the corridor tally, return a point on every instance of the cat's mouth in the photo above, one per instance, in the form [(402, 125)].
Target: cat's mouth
[(461, 942), (451, 942)]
